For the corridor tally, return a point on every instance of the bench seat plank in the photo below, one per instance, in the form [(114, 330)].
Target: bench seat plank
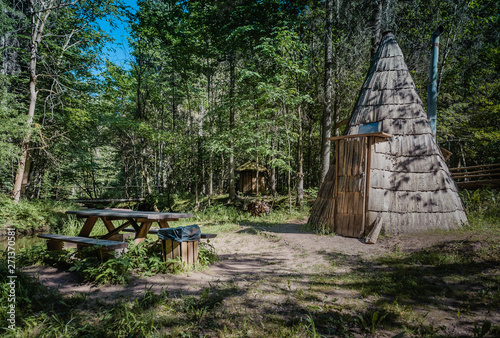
[(86, 241)]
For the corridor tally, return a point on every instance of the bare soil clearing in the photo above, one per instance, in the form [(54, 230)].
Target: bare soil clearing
[(288, 272)]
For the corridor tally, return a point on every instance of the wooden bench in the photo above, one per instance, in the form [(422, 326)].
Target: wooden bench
[(56, 242)]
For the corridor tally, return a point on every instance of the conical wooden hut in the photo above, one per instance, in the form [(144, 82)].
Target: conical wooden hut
[(389, 175)]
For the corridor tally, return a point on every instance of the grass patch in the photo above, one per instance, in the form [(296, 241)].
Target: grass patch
[(33, 216)]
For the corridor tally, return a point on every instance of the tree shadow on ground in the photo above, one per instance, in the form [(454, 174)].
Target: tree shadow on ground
[(278, 227), (451, 277)]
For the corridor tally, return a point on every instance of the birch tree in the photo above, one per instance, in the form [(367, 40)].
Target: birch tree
[(42, 17)]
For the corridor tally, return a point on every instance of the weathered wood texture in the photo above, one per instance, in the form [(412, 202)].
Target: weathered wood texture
[(341, 203), (186, 251), (126, 214), (378, 134), (350, 187), (410, 187), (86, 241), (248, 178), (248, 182)]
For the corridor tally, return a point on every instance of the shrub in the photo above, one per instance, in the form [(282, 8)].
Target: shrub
[(145, 258), (30, 216)]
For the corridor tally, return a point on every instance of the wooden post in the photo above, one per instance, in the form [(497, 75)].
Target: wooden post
[(88, 226), (337, 148), (143, 232), (109, 225), (54, 244), (368, 160)]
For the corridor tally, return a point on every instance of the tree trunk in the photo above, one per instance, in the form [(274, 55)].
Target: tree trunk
[(309, 152), (210, 154), (257, 177), (327, 112), (257, 151), (376, 23), (38, 20), (232, 184), (289, 177), (300, 162), (273, 170)]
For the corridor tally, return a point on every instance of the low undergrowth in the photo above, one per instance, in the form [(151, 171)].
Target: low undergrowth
[(32, 216), (483, 209), (91, 265)]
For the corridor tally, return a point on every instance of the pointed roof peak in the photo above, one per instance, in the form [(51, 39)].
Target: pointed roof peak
[(389, 95), (387, 31)]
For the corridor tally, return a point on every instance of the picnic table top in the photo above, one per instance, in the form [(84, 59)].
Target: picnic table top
[(152, 215)]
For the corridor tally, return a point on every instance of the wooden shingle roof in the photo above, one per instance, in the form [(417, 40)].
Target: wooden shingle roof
[(251, 166)]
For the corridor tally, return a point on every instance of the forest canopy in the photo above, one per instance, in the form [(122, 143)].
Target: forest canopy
[(211, 85)]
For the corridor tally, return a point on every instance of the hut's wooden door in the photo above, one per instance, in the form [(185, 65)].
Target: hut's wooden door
[(350, 186)]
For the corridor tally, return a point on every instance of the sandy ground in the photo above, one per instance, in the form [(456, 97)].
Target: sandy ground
[(244, 256)]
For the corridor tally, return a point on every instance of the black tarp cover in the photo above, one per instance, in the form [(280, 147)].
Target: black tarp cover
[(181, 234)]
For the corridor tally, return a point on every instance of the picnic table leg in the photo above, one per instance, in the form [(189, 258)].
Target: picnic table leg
[(143, 232), (163, 224), (88, 226), (109, 225), (134, 224)]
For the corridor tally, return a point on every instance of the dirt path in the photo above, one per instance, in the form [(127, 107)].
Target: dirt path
[(250, 254)]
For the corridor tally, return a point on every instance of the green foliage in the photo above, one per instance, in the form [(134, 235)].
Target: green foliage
[(32, 215), (94, 265), (146, 257), (481, 331), (30, 294), (39, 254), (162, 123), (372, 320), (483, 209), (115, 270), (11, 128), (484, 201), (158, 201), (207, 254)]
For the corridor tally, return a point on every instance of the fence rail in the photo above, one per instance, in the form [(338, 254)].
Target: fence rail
[(476, 176), (102, 192), (106, 200)]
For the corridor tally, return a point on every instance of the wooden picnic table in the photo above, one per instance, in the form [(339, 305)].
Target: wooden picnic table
[(141, 221)]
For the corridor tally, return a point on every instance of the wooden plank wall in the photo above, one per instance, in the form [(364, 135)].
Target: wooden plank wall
[(349, 215), (248, 182), (187, 251)]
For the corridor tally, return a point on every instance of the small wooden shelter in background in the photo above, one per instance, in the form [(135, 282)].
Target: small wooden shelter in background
[(389, 174), (248, 178)]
